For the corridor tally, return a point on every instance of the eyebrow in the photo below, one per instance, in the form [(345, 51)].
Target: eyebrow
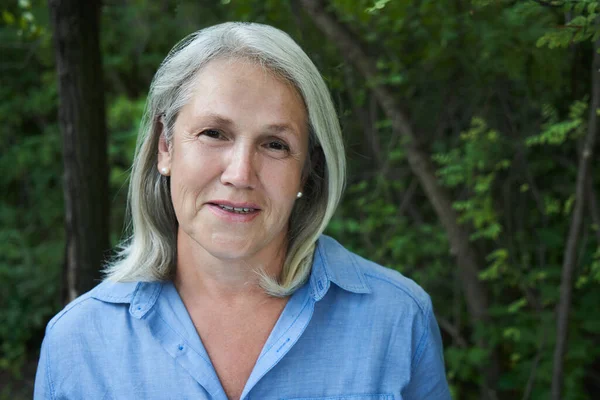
[(221, 120)]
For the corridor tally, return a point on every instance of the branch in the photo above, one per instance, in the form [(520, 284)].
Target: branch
[(354, 51), (570, 258), (534, 365), (350, 46), (552, 4), (367, 119), (593, 206), (405, 206), (452, 331)]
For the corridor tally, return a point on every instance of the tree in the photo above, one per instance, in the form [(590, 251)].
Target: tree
[(82, 122), (422, 166), (500, 99), (570, 257)]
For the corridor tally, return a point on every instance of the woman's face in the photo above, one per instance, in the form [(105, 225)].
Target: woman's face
[(236, 160)]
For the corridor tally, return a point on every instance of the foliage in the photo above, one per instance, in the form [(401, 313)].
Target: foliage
[(498, 95), (581, 27), (31, 245)]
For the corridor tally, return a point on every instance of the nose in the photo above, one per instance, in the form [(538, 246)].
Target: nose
[(240, 170)]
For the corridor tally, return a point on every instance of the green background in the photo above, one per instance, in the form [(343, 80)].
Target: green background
[(497, 92)]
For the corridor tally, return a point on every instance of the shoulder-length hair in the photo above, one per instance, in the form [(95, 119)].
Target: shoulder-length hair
[(150, 252)]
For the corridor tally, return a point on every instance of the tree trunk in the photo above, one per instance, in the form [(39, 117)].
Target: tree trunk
[(82, 122), (354, 52), (570, 259)]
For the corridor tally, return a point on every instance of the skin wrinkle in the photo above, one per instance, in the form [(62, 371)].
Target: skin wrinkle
[(273, 177), (241, 63)]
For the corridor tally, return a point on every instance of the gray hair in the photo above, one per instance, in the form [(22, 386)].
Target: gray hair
[(150, 252)]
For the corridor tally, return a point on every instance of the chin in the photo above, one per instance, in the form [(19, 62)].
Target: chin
[(230, 246)]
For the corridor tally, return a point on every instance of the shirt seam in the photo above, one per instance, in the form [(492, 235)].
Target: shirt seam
[(425, 311), (359, 273), (109, 297), (134, 294), (403, 289), (351, 396), (324, 268), (187, 343), (287, 330), (281, 355), (66, 310), (151, 299), (182, 338), (422, 343), (325, 262), (48, 376), (340, 282)]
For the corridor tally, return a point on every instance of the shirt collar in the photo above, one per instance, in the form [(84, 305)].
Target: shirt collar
[(115, 292), (333, 263), (140, 296)]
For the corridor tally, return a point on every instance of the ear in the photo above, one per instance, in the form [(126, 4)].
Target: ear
[(164, 152)]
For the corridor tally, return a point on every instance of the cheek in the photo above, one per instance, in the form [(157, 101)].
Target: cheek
[(282, 182), (191, 175), (194, 165), (183, 198)]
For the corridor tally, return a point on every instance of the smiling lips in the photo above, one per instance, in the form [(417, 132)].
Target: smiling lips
[(239, 211)]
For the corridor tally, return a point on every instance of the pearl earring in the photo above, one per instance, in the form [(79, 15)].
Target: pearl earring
[(164, 171), (299, 195)]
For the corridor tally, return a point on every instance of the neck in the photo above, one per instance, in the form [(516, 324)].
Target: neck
[(199, 274)]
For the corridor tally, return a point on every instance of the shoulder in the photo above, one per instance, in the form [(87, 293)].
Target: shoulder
[(382, 299), (83, 339), (392, 284), (387, 286), (100, 303)]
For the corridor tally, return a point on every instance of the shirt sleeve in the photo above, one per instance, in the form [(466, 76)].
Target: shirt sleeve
[(428, 375), (43, 385)]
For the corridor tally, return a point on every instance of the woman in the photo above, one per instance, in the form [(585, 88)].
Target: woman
[(226, 288)]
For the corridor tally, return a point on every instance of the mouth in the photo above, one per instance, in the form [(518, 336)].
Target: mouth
[(236, 208)]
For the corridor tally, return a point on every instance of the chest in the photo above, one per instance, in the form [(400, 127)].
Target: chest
[(234, 340), (316, 353)]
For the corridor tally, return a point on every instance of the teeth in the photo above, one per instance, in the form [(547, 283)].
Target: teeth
[(239, 210)]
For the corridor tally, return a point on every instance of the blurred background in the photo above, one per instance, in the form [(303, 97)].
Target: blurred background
[(470, 128)]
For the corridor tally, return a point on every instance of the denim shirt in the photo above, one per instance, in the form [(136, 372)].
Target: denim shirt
[(355, 331)]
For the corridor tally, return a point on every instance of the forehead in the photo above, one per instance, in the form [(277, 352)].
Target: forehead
[(243, 88)]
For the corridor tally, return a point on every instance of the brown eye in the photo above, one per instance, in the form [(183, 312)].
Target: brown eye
[(211, 133), (277, 146)]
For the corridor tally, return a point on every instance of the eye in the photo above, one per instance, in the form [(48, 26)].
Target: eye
[(277, 146), (212, 133)]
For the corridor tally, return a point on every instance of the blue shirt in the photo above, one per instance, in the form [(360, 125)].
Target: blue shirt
[(354, 331)]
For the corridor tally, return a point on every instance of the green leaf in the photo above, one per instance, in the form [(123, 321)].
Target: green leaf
[(512, 333), (517, 305), (8, 17), (377, 6), (542, 41), (580, 20)]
